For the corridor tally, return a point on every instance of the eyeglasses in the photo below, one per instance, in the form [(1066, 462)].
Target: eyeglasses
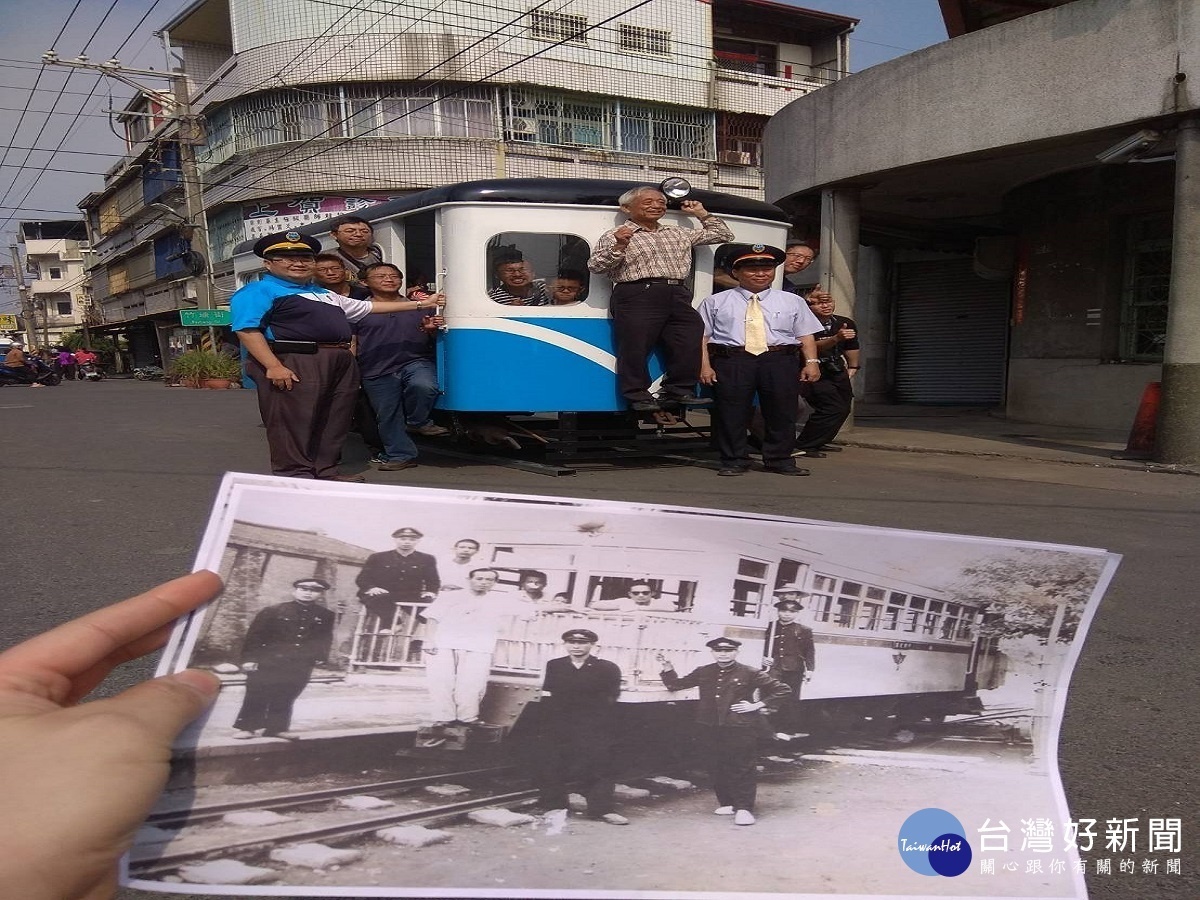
[(640, 593)]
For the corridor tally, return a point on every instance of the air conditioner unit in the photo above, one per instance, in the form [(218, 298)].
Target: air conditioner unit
[(737, 157), (523, 126)]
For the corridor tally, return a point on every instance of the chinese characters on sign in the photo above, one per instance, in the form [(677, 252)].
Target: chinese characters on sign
[(1121, 837), (267, 218)]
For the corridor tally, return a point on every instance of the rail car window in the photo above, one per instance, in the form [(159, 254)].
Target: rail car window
[(750, 588), (531, 269), (869, 616)]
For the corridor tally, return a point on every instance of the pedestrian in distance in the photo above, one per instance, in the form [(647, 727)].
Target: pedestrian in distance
[(282, 645), (577, 729), (729, 718)]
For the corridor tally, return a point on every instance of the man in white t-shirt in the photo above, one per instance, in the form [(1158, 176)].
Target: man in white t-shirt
[(463, 629)]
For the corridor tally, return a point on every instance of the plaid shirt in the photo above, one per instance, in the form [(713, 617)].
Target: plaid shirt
[(665, 252)]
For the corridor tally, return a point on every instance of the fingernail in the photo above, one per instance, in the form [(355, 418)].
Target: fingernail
[(204, 683)]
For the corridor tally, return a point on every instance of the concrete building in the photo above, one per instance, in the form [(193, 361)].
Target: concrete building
[(999, 211), (308, 110), (56, 302)]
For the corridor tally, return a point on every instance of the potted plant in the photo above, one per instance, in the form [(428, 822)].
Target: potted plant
[(206, 368)]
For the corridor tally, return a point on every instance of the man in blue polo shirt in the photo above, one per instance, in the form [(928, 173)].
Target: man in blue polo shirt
[(297, 336)]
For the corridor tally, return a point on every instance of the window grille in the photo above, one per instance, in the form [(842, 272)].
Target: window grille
[(549, 26), (1147, 285), (653, 41)]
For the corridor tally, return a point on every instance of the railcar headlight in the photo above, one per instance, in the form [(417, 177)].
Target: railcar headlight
[(675, 188)]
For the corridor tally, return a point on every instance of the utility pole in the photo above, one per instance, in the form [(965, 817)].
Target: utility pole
[(189, 132), (27, 312)]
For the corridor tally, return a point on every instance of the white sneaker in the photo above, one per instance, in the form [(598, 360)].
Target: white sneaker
[(723, 811), (743, 817), (244, 735)]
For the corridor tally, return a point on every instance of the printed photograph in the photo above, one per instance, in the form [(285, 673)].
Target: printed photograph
[(492, 695)]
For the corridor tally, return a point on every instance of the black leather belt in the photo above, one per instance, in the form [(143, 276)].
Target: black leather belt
[(655, 281), (721, 350), (344, 345)]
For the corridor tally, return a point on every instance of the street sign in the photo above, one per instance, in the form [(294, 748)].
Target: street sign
[(8, 322), (203, 317)]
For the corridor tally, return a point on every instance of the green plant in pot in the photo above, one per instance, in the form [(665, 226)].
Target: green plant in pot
[(205, 368)]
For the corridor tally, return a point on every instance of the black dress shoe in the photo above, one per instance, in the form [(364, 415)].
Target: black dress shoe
[(786, 470), (645, 406), (733, 470), (831, 448), (685, 399), (809, 454)]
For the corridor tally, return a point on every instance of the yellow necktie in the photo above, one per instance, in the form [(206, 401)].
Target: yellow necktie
[(756, 328)]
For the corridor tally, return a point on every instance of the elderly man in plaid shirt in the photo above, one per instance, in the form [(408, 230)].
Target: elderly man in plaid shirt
[(650, 301)]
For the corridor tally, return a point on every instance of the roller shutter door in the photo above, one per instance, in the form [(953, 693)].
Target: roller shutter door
[(951, 335)]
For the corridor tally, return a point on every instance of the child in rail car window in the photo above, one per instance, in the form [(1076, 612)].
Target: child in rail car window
[(568, 288)]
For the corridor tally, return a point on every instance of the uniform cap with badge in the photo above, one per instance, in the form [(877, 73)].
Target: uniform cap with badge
[(723, 643), (286, 243), (731, 256), (319, 583), (580, 636), (407, 532)]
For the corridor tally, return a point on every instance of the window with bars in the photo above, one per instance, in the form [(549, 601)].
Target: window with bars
[(552, 26), (652, 41), (1147, 285), (349, 111)]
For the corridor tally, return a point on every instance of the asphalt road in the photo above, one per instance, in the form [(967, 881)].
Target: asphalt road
[(107, 488)]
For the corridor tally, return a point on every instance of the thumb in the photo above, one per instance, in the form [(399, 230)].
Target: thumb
[(164, 706)]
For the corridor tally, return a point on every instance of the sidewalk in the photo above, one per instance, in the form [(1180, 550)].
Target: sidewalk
[(976, 432)]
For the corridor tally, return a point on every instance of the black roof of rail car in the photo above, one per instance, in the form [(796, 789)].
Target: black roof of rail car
[(582, 191)]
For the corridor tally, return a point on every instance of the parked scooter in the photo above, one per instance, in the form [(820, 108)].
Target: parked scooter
[(45, 374), (148, 373), (89, 371)]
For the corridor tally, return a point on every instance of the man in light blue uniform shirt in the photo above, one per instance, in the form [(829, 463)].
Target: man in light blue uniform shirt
[(297, 337), (757, 340)]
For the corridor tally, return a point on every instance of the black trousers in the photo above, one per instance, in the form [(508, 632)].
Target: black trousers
[(581, 757), (831, 399), (787, 715), (644, 316), (307, 426), (775, 378), (271, 692), (732, 760)]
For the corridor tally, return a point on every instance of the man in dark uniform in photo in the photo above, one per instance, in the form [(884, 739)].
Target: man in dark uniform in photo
[(517, 285), (729, 720), (297, 337), (791, 657), (356, 245), (282, 645), (392, 577), (330, 273), (651, 303), (757, 341), (577, 729), (832, 397), (398, 369)]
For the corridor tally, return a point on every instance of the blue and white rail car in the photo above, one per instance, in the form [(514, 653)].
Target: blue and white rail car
[(494, 357)]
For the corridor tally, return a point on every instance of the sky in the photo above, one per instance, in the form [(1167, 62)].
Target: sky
[(48, 163)]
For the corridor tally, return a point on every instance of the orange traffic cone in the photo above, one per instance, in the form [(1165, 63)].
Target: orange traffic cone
[(1141, 436)]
